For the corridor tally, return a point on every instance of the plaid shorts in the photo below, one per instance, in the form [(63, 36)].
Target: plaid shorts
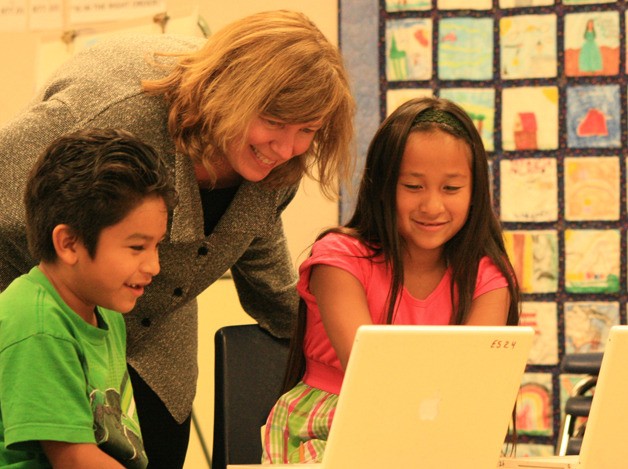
[(298, 425)]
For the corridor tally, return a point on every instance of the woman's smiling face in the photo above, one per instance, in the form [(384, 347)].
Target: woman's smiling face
[(270, 143)]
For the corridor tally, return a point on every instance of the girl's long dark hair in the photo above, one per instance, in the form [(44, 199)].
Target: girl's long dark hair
[(374, 220)]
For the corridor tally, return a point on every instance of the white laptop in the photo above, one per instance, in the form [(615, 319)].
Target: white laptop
[(605, 442), (426, 396)]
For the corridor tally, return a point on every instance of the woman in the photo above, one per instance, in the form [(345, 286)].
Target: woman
[(240, 119)]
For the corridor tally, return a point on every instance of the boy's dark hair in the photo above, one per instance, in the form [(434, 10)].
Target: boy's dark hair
[(89, 180)]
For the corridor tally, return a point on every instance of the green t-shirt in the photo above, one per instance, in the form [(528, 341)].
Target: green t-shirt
[(61, 378)]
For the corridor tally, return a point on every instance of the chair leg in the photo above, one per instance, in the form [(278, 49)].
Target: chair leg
[(568, 424), (566, 429), (199, 433)]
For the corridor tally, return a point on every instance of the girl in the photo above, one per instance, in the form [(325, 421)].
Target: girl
[(422, 247)]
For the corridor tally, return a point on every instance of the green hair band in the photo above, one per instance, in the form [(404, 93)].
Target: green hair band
[(441, 117)]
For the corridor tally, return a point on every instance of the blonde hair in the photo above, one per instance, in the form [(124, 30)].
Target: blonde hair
[(275, 63)]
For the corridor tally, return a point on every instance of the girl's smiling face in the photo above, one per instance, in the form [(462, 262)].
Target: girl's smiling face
[(433, 190)]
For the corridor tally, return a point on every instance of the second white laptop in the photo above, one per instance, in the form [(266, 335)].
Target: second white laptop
[(426, 396), (605, 442)]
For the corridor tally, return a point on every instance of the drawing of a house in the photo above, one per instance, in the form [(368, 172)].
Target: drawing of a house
[(525, 131), (593, 124)]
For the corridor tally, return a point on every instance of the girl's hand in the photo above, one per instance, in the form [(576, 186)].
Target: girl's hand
[(342, 303)]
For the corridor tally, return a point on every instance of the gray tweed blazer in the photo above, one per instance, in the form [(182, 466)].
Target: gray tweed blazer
[(100, 87)]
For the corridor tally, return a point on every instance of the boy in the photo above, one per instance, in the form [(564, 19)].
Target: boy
[(97, 206)]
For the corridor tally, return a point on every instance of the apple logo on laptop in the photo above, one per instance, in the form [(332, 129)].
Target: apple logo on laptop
[(429, 408)]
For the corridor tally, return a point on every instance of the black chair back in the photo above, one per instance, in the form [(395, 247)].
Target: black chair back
[(578, 403), (249, 372)]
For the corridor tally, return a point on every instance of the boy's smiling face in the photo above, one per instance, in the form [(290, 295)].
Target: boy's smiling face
[(125, 261)]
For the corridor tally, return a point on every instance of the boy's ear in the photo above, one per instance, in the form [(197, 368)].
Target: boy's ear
[(65, 243)]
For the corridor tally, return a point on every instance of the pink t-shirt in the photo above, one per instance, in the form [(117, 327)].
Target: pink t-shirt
[(323, 369)]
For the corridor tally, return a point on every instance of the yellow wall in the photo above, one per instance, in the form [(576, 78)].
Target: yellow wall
[(29, 57)]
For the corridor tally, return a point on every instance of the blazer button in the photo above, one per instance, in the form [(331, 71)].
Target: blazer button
[(178, 291), (203, 251), (146, 322)]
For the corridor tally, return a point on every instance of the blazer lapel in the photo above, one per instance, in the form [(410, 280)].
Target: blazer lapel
[(187, 218), (251, 211)]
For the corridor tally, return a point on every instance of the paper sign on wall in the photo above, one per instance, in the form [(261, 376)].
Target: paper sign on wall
[(98, 11), (13, 15), (45, 14)]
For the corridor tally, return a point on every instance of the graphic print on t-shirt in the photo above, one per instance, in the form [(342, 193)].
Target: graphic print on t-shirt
[(118, 434)]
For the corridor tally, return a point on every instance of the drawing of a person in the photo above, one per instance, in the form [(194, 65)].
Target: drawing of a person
[(590, 58), (397, 58)]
